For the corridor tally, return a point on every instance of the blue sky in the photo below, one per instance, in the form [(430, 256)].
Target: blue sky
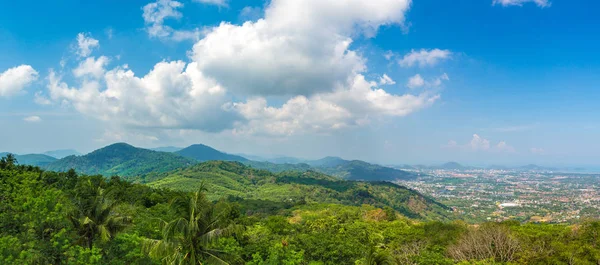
[(506, 81)]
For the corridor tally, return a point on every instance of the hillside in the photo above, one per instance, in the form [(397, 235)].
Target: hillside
[(344, 169), (121, 159), (33, 159), (235, 179), (200, 152)]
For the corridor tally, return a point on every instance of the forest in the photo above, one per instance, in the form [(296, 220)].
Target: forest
[(49, 217)]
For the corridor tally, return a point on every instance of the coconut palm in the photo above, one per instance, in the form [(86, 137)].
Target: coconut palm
[(190, 238), (94, 216)]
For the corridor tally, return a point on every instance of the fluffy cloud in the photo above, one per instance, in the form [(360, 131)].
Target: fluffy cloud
[(325, 112), (15, 79), (91, 67), (299, 47), (417, 81), (32, 119), (172, 95), (540, 3), (479, 143), (213, 2), (298, 53), (155, 15), (424, 57), (85, 44)]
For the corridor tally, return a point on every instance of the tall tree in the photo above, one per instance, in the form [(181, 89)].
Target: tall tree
[(190, 238), (94, 217)]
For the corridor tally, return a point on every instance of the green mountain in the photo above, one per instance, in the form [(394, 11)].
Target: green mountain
[(200, 152), (123, 160), (235, 179), (32, 159), (58, 154), (344, 169)]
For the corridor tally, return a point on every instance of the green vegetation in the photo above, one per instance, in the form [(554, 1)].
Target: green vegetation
[(65, 218), (121, 159), (236, 180)]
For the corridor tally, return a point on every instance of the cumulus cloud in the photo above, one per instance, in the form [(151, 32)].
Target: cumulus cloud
[(86, 44), (155, 15), (91, 67), (250, 13), (299, 52), (32, 119), (299, 47), (540, 3), (213, 2), (417, 81), (15, 79), (424, 57), (481, 144)]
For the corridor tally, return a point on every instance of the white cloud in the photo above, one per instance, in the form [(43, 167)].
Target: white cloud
[(15, 79), (417, 81), (424, 57), (540, 3), (298, 52), (32, 119), (300, 47), (155, 15), (386, 80), (213, 2), (325, 112), (502, 146), (481, 144), (85, 44), (91, 67)]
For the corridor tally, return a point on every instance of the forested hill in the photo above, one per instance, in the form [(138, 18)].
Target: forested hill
[(201, 153), (235, 179), (344, 169), (33, 159), (123, 160)]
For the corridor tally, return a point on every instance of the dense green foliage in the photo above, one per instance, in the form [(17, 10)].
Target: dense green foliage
[(236, 180), (121, 159), (65, 218), (201, 153)]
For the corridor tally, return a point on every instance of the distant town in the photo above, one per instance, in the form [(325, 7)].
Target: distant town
[(478, 195)]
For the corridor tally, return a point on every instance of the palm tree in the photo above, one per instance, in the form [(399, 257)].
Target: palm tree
[(94, 216), (189, 238), (378, 256)]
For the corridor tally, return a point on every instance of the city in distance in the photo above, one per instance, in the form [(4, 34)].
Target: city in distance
[(312, 132)]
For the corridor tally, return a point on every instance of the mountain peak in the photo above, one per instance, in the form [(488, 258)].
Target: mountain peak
[(202, 153)]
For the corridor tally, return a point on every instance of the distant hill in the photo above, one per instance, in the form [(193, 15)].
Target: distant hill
[(235, 179), (338, 167), (452, 165), (200, 152), (169, 149), (58, 154), (330, 161), (32, 159), (123, 160)]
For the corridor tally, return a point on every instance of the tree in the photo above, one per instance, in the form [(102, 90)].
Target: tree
[(190, 238), (9, 161), (94, 216)]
